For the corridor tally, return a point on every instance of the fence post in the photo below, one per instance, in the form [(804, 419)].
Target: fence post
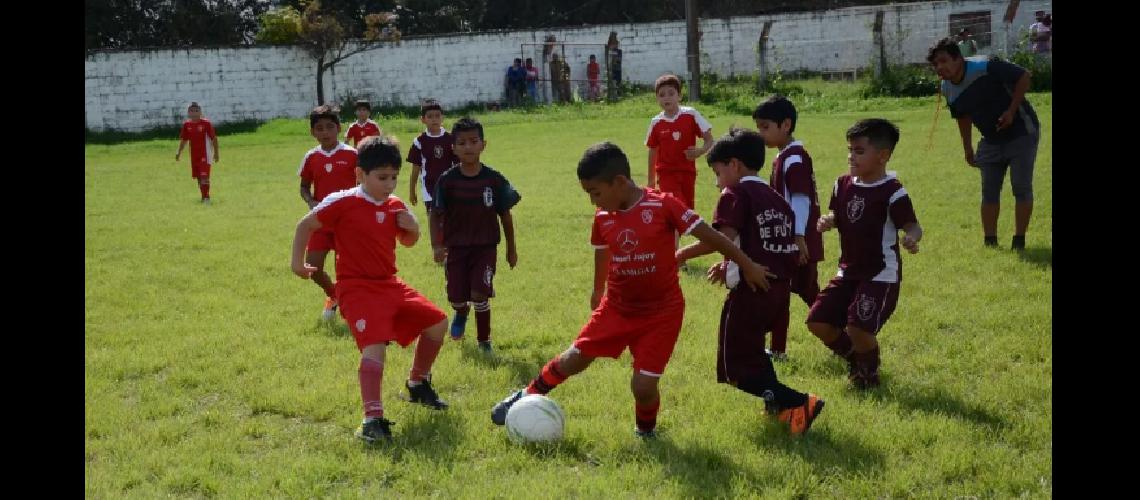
[(763, 55), (880, 68)]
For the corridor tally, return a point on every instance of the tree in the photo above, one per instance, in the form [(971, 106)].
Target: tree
[(324, 37), (121, 24)]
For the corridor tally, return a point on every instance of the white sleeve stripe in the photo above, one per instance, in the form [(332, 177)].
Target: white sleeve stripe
[(800, 206), (599, 247), (692, 226), (304, 160), (416, 143), (792, 160), (649, 132), (332, 198), (702, 123), (897, 194)]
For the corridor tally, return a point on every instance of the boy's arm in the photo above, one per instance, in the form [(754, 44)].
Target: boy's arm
[(306, 193), (755, 274), (415, 181), (601, 267), (694, 153), (181, 145), (699, 248), (965, 129), (435, 222), (912, 237), (826, 222), (508, 222), (214, 140), (650, 177), (1019, 89), (305, 228), (410, 229)]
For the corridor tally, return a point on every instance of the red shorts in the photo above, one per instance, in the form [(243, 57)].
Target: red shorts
[(744, 320), (321, 240), (380, 311), (650, 338), (682, 184), (199, 169), (864, 304), (470, 270)]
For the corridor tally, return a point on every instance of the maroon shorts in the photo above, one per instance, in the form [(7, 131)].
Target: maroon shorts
[(470, 270), (744, 320), (321, 239), (650, 339), (805, 282), (682, 184), (380, 311), (864, 304), (199, 169)]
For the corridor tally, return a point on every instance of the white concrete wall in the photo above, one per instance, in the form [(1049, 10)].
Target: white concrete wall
[(144, 89)]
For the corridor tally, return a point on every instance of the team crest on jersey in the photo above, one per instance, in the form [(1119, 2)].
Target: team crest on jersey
[(328, 167), (438, 151), (647, 216), (866, 307), (360, 325), (855, 208), (488, 196), (627, 240), (488, 273), (380, 217)]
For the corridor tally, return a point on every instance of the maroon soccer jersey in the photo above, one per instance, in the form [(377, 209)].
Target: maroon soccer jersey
[(869, 217), (642, 275), (434, 155), (365, 232), (792, 173), (471, 205), (764, 222)]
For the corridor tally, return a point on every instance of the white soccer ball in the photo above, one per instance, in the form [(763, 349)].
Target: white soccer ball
[(535, 418)]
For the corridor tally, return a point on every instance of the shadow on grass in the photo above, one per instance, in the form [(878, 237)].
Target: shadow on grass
[(703, 472), (112, 137), (935, 401), (1040, 256), (522, 370), (824, 450)]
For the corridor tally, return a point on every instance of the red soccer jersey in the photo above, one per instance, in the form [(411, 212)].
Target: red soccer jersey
[(869, 217), (792, 173), (201, 149), (357, 132), (642, 275), (365, 233), (672, 136), (329, 172)]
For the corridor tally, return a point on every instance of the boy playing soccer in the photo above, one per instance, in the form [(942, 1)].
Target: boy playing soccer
[(637, 301), (363, 126), (325, 169), (672, 140), (868, 206), (793, 178), (470, 201), (379, 308), (203, 153), (431, 154), (758, 219)]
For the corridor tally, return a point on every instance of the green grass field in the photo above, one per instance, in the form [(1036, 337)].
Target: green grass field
[(207, 372)]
